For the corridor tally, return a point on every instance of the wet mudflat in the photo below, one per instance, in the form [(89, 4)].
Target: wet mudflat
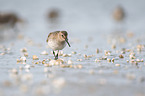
[(101, 60)]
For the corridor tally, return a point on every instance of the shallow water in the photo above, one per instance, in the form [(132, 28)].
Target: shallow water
[(90, 26)]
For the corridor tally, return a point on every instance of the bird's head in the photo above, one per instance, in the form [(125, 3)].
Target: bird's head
[(63, 37)]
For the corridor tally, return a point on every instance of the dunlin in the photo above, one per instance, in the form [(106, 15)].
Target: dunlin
[(57, 41), (9, 19), (119, 14), (53, 14)]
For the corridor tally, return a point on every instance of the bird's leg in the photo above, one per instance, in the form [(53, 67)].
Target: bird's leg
[(54, 55), (57, 55)]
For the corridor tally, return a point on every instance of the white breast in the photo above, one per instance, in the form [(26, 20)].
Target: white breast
[(56, 45)]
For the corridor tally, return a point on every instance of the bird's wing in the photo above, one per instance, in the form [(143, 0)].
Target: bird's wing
[(48, 37), (52, 33)]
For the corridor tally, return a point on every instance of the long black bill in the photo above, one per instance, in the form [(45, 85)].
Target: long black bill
[(67, 42)]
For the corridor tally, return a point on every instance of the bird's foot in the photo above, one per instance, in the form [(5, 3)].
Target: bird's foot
[(55, 58)]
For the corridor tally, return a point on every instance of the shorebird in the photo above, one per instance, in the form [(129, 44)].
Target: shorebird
[(118, 14), (57, 41), (53, 14), (9, 19), (9, 25)]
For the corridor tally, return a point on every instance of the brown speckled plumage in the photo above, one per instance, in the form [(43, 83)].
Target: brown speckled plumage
[(57, 41)]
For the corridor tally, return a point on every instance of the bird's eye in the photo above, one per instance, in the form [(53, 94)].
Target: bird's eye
[(62, 35)]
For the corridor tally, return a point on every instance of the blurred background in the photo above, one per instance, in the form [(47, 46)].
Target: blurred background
[(77, 17), (91, 24)]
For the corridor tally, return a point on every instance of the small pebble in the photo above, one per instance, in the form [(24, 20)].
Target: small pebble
[(132, 61), (79, 59), (44, 53), (127, 61), (132, 57), (23, 59), (18, 61), (52, 62), (79, 66), (66, 55), (43, 62), (109, 60), (70, 66), (59, 61), (103, 58), (142, 60), (69, 62), (37, 63), (23, 50), (96, 60), (122, 52), (2, 53), (26, 54), (121, 56), (113, 60), (107, 53), (137, 60), (74, 52), (47, 65), (135, 63), (27, 66), (85, 56), (64, 66), (35, 57), (117, 64), (113, 46), (56, 62)]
